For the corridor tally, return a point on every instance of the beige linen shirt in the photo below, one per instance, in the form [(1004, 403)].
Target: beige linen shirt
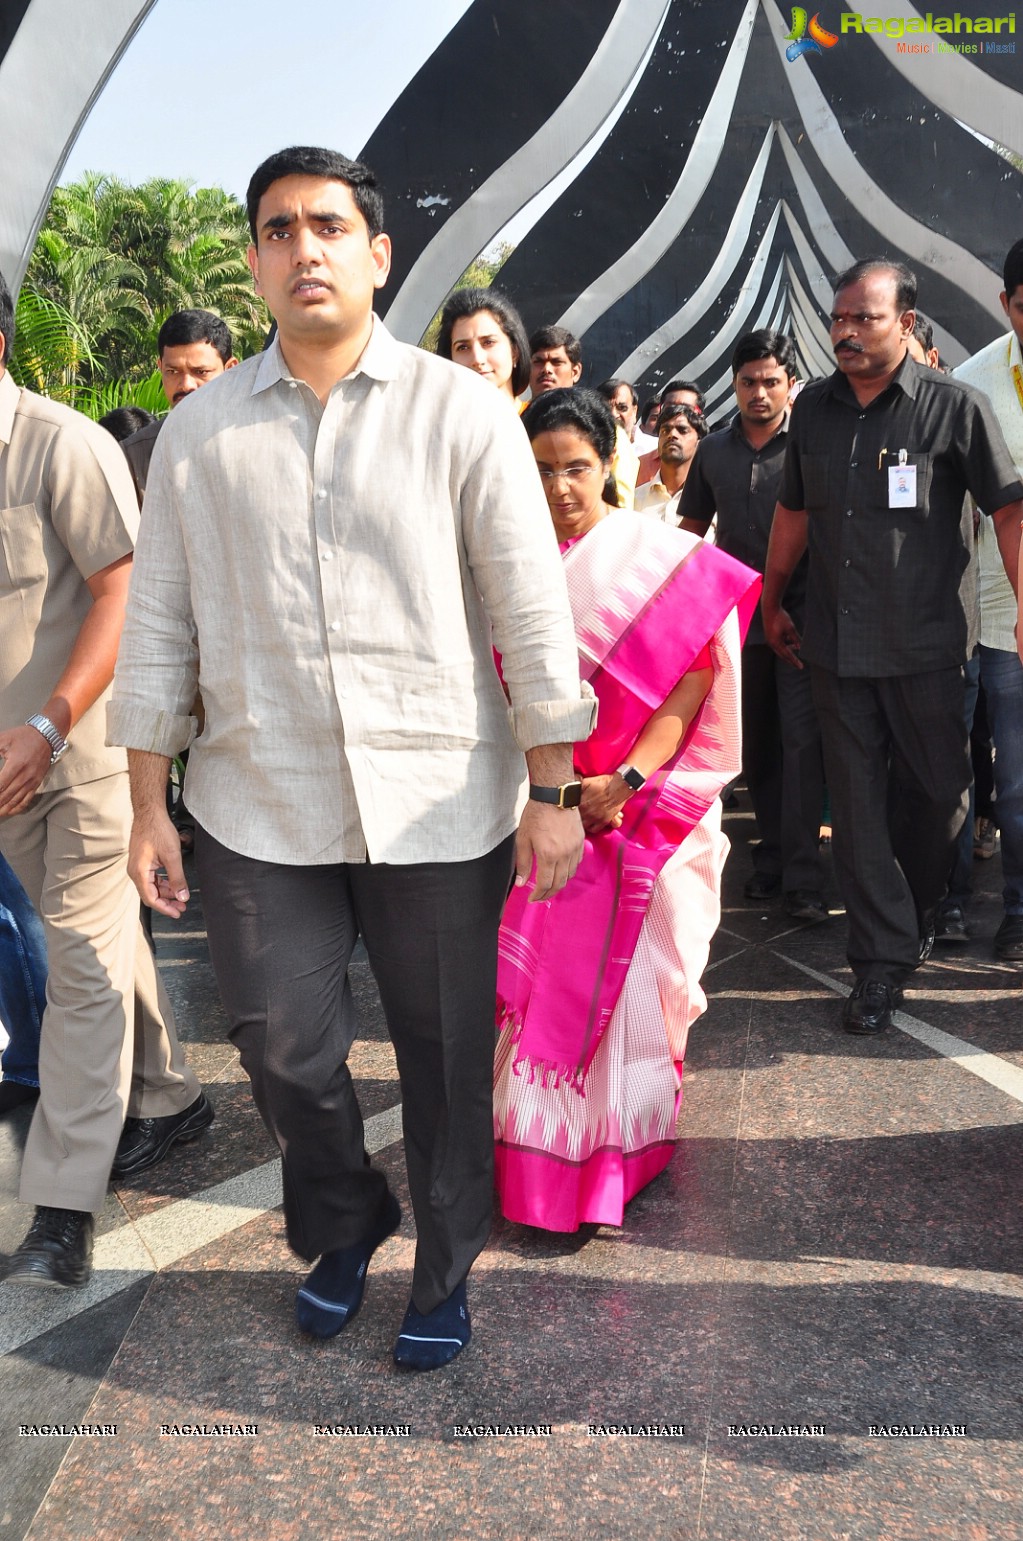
[(67, 510), (333, 578)]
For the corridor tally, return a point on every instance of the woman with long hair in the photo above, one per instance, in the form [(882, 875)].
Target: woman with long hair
[(481, 329)]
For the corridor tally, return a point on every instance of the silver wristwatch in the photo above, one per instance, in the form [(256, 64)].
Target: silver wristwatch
[(58, 746), (632, 777)]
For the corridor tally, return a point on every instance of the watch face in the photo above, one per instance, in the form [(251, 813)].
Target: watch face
[(571, 794)]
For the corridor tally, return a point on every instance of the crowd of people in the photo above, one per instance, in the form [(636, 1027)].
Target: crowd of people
[(481, 715)]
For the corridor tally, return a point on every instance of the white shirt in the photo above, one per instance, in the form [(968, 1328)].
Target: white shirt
[(329, 577), (995, 370)]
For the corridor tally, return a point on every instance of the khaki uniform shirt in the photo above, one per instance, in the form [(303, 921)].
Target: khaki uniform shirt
[(67, 510), (334, 579)]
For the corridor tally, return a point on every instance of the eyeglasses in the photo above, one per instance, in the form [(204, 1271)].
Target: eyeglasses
[(570, 473)]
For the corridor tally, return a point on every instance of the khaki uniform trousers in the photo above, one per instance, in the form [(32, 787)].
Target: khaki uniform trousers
[(109, 1048)]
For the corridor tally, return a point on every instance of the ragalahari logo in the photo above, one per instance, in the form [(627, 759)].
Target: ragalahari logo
[(799, 44)]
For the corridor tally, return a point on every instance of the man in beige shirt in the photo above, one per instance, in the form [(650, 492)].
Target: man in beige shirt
[(359, 768), (68, 519), (679, 431)]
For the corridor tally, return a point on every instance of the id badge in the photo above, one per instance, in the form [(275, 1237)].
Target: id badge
[(902, 486)]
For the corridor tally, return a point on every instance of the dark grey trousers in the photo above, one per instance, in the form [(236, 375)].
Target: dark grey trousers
[(280, 939), (897, 759), (784, 768)]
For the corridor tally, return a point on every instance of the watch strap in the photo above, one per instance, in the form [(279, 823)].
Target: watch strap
[(59, 745), (569, 795)]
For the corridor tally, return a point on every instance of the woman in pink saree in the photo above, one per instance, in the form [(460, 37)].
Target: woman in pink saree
[(598, 987)]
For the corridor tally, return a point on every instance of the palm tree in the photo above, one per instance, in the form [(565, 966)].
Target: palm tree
[(111, 263)]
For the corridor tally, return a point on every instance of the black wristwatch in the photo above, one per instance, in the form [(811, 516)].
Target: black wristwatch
[(570, 795), (632, 777)]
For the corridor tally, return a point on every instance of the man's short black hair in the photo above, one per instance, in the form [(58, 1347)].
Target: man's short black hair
[(680, 409), (683, 385), (547, 338), (1012, 271), (187, 326), (762, 344), (122, 422), (905, 279), (6, 319), (924, 332), (609, 389), (314, 161)]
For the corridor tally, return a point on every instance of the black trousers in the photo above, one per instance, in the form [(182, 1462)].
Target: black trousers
[(280, 939), (897, 760), (784, 768)]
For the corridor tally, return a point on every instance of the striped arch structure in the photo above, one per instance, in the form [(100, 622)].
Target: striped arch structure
[(733, 184), (708, 176)]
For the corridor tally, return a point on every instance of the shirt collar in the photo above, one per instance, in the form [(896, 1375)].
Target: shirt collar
[(735, 426), (10, 395), (379, 360), (1015, 358), (905, 379)]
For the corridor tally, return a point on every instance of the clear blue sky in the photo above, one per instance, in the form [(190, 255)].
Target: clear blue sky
[(207, 88)]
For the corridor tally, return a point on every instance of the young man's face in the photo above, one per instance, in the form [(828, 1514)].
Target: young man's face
[(1012, 304), (314, 261), (187, 365), (551, 369), (762, 390)]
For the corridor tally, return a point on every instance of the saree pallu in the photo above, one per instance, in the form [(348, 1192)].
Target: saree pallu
[(597, 988)]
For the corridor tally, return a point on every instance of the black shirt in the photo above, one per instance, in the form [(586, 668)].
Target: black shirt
[(740, 484), (890, 589)]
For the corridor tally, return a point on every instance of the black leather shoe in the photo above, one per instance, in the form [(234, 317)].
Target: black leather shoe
[(869, 1008), (13, 1094), (805, 904), (928, 931), (950, 926), (145, 1141), (56, 1251), (762, 885), (1009, 939)]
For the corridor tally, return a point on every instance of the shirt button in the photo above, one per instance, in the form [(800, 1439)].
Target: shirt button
[(845, 609), (335, 625), (847, 562), (321, 493), (853, 464), (848, 513), (326, 556)]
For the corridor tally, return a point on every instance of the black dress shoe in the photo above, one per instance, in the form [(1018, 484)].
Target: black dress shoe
[(950, 926), (763, 885), (928, 931), (56, 1251), (869, 1008), (1009, 939), (805, 904), (14, 1094), (145, 1141)]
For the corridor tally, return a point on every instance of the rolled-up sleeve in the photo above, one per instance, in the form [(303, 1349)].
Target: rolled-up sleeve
[(156, 678)]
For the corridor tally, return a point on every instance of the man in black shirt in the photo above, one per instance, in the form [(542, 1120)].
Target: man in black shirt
[(736, 474), (879, 458)]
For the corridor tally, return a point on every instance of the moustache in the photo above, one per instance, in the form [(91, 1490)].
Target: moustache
[(849, 347)]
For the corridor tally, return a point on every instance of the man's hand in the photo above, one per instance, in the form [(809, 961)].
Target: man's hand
[(154, 864), (604, 797), (781, 634), (26, 759), (554, 837)]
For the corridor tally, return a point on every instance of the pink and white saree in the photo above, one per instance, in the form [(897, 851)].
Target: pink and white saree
[(597, 988)]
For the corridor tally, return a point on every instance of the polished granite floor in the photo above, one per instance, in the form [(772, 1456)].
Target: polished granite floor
[(832, 1264)]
